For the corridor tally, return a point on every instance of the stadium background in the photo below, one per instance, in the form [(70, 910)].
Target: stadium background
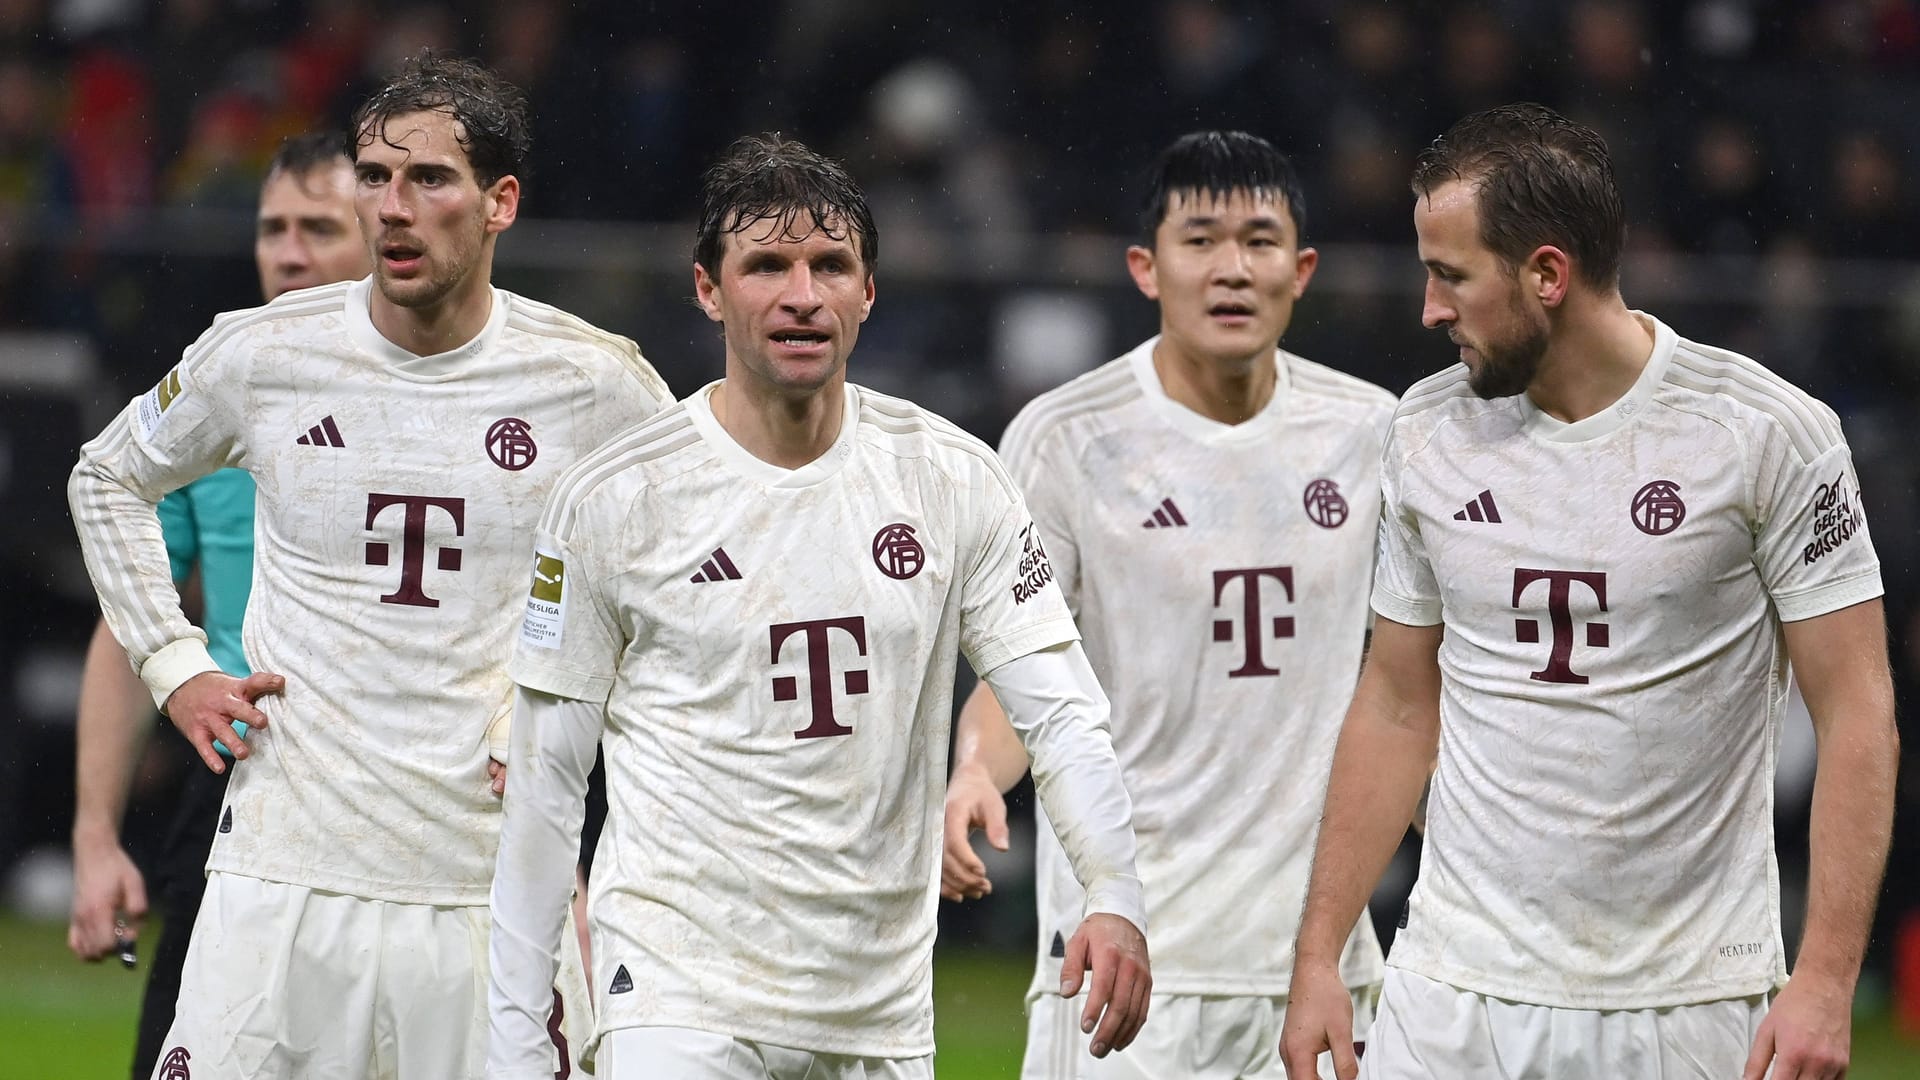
[(1767, 149)]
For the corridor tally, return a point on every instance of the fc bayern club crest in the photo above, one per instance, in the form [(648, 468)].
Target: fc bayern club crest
[(1657, 509), (897, 552), (510, 444), (1325, 505)]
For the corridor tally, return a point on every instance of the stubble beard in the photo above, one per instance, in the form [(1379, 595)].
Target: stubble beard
[(1507, 367)]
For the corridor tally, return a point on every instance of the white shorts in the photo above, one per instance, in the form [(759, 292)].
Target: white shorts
[(651, 1053), (285, 981), (1186, 1035), (1427, 1029)]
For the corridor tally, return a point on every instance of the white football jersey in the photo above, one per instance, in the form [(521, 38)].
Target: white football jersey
[(1600, 829), (398, 497), (776, 649), (1219, 574)]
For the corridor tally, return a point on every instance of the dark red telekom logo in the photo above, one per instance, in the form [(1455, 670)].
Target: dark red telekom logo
[(1560, 585), (413, 542), (1253, 622), (816, 638)]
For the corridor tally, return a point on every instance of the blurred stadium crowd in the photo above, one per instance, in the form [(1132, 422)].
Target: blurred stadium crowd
[(1768, 150)]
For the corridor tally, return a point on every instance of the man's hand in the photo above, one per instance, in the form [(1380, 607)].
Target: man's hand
[(106, 886), (972, 803), (1319, 1019), (497, 772), (1117, 952), (1808, 1033), (205, 707)]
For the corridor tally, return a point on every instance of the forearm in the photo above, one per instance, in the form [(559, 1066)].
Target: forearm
[(984, 740), (553, 744), (111, 728), (1379, 773), (1055, 704), (126, 558), (1851, 828)]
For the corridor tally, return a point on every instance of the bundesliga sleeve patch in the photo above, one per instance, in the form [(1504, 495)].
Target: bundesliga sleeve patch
[(546, 602), (154, 405)]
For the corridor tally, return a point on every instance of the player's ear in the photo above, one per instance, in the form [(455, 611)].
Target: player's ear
[(1548, 274), (1140, 264), (707, 292), (503, 203), (1305, 261)]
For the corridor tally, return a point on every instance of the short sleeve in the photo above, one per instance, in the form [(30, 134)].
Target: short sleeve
[(1011, 604), (1404, 587), (570, 640), (1811, 545), (1031, 457)]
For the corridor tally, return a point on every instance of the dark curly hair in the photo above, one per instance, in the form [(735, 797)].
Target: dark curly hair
[(771, 178), (491, 112)]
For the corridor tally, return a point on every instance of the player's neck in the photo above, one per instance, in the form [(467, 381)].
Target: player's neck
[(782, 430), (1596, 352), (1224, 391), (440, 327)]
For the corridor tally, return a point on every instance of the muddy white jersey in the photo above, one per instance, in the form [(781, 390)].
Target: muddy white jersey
[(397, 500), (776, 650), (1600, 829), (1219, 574)]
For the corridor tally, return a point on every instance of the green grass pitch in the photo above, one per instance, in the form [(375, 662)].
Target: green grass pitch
[(64, 1020)]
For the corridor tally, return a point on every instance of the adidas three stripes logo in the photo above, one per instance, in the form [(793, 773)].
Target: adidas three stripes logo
[(717, 568), (324, 433)]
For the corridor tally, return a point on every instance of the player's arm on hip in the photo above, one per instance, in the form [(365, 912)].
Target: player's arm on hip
[(186, 426)]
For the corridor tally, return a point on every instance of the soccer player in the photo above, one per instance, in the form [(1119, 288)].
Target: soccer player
[(1210, 502), (403, 431), (307, 235), (1601, 546), (756, 599)]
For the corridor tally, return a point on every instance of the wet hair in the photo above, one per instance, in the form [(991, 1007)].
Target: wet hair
[(491, 112), (300, 156), (1219, 163), (1539, 179), (779, 180)]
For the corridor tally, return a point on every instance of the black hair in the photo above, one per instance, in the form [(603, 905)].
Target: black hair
[(772, 178), (1220, 163)]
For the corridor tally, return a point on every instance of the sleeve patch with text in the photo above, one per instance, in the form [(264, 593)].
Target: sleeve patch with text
[(546, 603), (1035, 571), (1836, 518)]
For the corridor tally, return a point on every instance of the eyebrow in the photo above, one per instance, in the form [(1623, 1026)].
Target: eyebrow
[(1205, 221)]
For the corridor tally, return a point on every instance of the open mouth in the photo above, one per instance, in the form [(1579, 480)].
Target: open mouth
[(1231, 309), (400, 256), (800, 339)]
